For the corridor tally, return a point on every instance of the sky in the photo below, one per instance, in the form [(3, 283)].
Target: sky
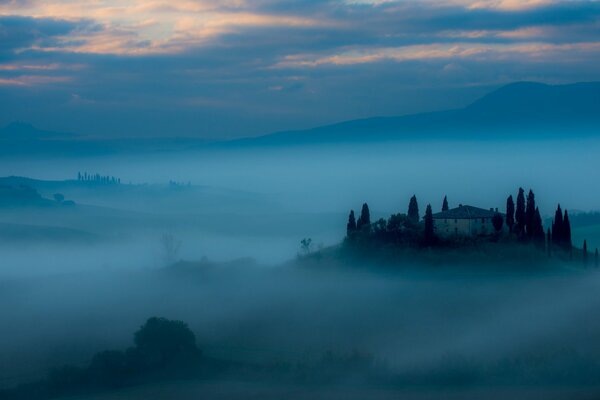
[(236, 68)]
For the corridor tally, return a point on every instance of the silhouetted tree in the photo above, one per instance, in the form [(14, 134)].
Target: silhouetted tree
[(364, 220), (351, 226), (530, 215), (557, 227), (585, 253), (596, 258), (520, 212), (539, 238), (160, 343), (413, 210), (549, 243), (429, 232), (497, 221), (305, 245), (445, 204), (510, 213)]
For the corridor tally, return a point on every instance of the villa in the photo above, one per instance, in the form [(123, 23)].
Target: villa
[(465, 220)]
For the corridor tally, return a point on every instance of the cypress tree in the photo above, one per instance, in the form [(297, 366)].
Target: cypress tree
[(585, 253), (413, 210), (365, 217), (530, 227), (549, 243), (429, 232), (520, 212), (351, 226), (510, 213), (557, 227), (566, 231), (539, 238), (445, 204)]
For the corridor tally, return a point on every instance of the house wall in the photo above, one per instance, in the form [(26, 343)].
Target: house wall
[(465, 227)]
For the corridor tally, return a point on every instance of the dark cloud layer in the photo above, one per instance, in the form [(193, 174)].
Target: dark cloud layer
[(280, 65)]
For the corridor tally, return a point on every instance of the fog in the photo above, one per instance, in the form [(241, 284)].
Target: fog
[(75, 281)]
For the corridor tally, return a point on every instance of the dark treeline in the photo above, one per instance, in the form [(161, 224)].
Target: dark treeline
[(523, 221), (97, 178)]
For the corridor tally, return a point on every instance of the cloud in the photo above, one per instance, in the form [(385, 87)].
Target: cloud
[(236, 67)]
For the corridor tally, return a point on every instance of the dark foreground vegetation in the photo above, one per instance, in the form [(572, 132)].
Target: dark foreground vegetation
[(165, 350)]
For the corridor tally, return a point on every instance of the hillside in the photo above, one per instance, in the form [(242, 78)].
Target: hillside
[(524, 110)]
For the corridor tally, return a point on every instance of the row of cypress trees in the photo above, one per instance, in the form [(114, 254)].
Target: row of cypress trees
[(525, 219)]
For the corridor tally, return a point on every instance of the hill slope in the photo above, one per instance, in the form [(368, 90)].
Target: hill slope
[(524, 109)]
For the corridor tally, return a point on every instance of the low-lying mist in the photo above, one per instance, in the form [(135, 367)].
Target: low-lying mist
[(79, 280), (241, 311)]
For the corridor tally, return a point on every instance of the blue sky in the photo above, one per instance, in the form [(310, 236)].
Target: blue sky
[(239, 68)]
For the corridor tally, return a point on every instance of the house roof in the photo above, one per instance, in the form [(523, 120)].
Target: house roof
[(465, 212)]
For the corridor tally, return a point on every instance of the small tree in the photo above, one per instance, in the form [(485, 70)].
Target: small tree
[(530, 210), (59, 197), (520, 212), (351, 225), (445, 204), (510, 213), (596, 258), (429, 231), (171, 248), (557, 227), (497, 221), (413, 210), (585, 253), (305, 245), (549, 243), (365, 217)]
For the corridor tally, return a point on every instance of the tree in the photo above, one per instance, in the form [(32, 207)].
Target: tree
[(520, 212), (530, 228), (549, 242), (161, 342), (566, 231), (539, 238), (445, 204), (557, 227), (305, 245), (429, 232), (585, 253), (171, 248), (497, 221), (510, 213), (59, 197), (596, 258), (413, 210), (351, 226), (364, 221)]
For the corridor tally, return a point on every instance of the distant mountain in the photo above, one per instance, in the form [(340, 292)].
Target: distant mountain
[(518, 110)]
